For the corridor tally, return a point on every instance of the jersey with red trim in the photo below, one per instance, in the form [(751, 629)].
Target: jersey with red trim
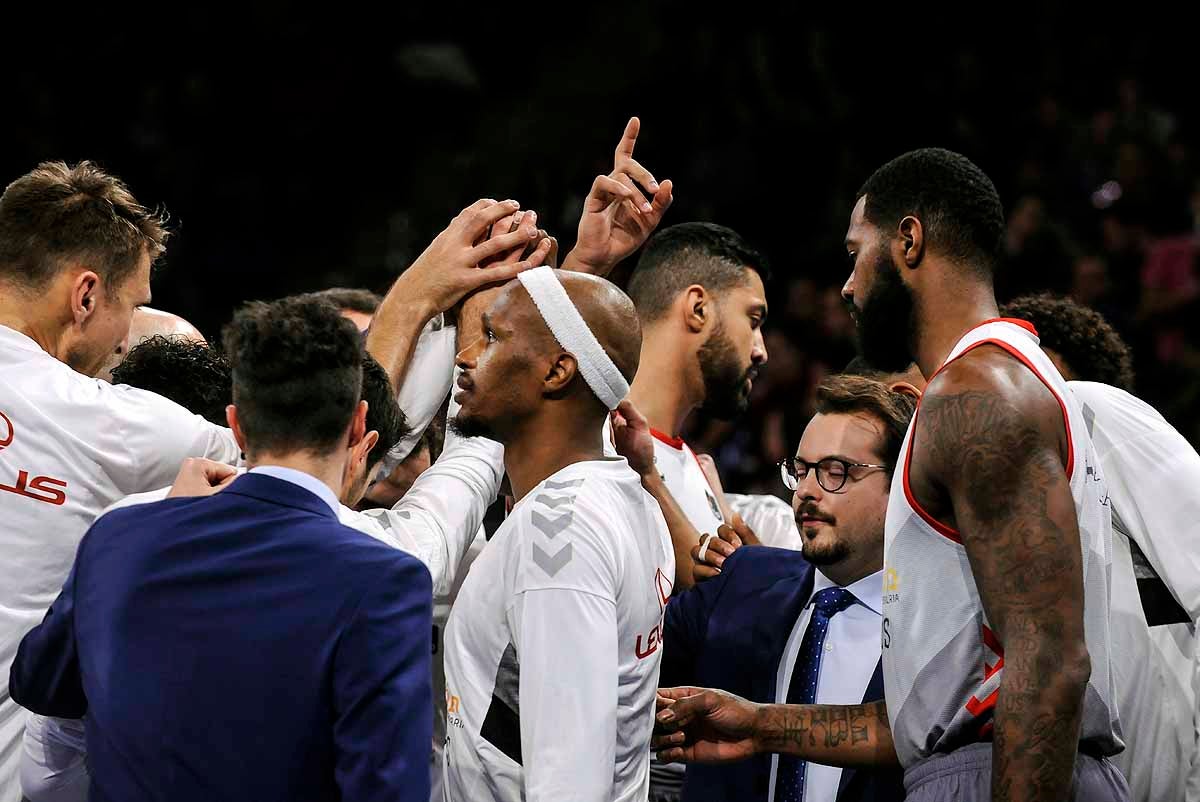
[(681, 473), (942, 662)]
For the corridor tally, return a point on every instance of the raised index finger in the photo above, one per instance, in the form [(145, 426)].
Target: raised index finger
[(629, 138)]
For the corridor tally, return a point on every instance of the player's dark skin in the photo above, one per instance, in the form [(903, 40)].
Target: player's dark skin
[(990, 451)]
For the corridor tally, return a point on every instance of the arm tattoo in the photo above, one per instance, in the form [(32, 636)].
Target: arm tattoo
[(1012, 502), (840, 735)]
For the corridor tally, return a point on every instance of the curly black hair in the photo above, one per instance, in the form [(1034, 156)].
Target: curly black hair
[(383, 413), (955, 201), (188, 372), (713, 256), (1091, 348), (297, 374)]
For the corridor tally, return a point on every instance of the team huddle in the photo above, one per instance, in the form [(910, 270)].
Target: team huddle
[(224, 562)]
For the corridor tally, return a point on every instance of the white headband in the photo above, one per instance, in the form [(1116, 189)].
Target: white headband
[(573, 334)]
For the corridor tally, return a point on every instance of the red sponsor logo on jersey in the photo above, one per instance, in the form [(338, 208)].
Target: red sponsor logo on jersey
[(40, 488), (6, 431), (662, 587)]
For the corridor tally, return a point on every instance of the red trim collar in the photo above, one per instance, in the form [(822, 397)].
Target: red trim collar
[(1025, 324), (674, 442)]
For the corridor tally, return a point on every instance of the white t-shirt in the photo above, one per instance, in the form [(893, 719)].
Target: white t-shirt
[(70, 445), (1153, 477), (553, 646)]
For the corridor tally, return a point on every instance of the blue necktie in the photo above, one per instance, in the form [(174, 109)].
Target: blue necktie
[(789, 779)]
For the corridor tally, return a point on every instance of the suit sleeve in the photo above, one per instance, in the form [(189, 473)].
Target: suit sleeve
[(383, 689), (45, 674)]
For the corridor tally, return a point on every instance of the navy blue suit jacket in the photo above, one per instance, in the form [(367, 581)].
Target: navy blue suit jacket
[(244, 646), (730, 633)]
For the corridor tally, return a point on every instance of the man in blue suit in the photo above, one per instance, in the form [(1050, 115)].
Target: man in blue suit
[(778, 625), (246, 645)]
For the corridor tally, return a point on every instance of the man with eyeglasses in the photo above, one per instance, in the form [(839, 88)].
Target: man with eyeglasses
[(777, 625)]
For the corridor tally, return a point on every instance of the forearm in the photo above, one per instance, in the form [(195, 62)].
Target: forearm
[(850, 736), (683, 535), (1037, 718), (395, 328)]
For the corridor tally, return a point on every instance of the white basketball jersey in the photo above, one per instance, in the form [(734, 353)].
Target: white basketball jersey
[(942, 661)]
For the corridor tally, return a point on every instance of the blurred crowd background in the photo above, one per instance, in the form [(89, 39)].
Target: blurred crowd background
[(297, 151)]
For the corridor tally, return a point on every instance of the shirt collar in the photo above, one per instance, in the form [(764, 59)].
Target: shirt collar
[(310, 483), (20, 340), (868, 590)]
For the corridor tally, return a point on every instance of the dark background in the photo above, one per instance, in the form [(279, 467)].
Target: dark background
[(297, 151)]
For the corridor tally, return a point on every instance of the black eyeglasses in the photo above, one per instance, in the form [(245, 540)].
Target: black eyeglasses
[(831, 472)]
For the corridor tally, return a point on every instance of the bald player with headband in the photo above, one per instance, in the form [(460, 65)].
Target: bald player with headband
[(553, 646)]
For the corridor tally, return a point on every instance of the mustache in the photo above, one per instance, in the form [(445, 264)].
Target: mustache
[(812, 511)]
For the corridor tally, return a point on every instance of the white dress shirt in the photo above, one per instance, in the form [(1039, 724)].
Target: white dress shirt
[(850, 655)]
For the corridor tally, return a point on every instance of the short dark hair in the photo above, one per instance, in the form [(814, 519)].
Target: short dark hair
[(190, 373), (713, 256), (1091, 347), (859, 366), (383, 413), (842, 394), (956, 202), (57, 212), (355, 300), (297, 374)]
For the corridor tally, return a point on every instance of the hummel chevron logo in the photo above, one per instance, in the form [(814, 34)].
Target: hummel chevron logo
[(551, 526), (552, 564), (552, 501), (563, 485)]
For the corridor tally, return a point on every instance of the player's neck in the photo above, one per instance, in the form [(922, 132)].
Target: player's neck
[(19, 313), (959, 309), (660, 390), (545, 447)]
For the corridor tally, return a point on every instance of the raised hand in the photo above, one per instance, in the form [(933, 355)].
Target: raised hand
[(463, 257), (617, 217)]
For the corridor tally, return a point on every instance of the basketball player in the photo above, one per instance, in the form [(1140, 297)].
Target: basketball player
[(698, 289), (997, 673), (553, 645)]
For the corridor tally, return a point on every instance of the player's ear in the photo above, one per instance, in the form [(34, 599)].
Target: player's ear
[(910, 243), (562, 371), (695, 307)]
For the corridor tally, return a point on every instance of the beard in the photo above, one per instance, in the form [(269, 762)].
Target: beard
[(465, 425), (824, 550), (887, 321), (725, 392)]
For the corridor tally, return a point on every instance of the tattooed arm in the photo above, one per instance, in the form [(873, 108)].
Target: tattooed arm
[(990, 444), (697, 725)]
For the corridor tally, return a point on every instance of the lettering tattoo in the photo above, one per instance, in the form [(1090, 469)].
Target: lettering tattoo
[(840, 735)]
